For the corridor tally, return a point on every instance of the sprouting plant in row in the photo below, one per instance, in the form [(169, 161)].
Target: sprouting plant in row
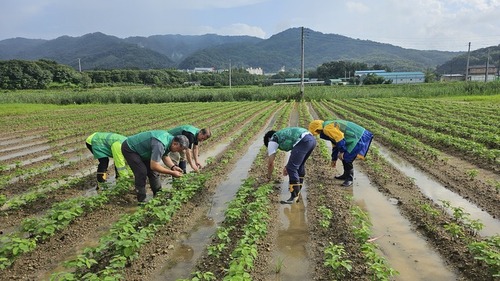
[(454, 230), (429, 210), (334, 258), (361, 225), (472, 173), (201, 276), (223, 239), (378, 266), (488, 251), (326, 216), (12, 247), (460, 216)]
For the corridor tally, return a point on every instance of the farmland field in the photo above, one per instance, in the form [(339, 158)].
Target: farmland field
[(226, 222)]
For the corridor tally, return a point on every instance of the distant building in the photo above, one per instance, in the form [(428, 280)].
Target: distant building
[(338, 81), (452, 77), (395, 77), (257, 71), (204, 69), (478, 73), (298, 81)]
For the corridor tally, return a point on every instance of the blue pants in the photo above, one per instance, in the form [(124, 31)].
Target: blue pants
[(361, 148), (298, 156)]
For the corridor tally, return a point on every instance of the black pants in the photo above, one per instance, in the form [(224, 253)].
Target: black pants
[(102, 167), (142, 171), (348, 170)]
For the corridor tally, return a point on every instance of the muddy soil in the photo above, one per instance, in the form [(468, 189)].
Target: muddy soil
[(322, 190)]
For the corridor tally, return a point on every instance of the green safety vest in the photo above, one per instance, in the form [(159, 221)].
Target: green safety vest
[(178, 130), (141, 142), (352, 132), (287, 137), (102, 142)]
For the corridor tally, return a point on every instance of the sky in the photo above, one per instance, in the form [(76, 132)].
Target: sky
[(445, 25)]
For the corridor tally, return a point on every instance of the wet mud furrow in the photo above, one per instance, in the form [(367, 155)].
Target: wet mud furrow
[(169, 239), (452, 172), (75, 236), (410, 200), (297, 235)]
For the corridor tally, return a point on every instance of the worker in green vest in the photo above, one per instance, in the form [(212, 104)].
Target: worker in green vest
[(195, 136), (104, 145), (349, 142), (145, 153), (300, 142)]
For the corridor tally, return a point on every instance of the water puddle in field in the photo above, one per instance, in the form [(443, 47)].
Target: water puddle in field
[(291, 258), (436, 192), (23, 145), (9, 141), (25, 151), (194, 242), (37, 159), (404, 249), (71, 161)]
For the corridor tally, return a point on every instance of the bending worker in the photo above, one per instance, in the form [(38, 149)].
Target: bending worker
[(195, 136), (144, 153), (301, 143), (349, 141), (105, 145)]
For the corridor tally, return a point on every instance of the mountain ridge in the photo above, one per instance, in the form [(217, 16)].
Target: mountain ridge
[(100, 51)]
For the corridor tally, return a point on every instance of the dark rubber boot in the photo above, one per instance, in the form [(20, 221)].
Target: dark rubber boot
[(301, 181), (101, 176), (141, 197), (294, 194)]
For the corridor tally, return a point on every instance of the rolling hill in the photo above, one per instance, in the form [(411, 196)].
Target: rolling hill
[(101, 51)]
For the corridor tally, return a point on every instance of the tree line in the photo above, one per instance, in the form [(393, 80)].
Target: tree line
[(47, 74)]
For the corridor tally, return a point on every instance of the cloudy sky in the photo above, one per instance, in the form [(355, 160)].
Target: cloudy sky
[(447, 25)]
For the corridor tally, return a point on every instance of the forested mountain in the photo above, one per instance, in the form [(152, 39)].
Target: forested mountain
[(178, 47), (95, 51), (284, 49), (100, 51)]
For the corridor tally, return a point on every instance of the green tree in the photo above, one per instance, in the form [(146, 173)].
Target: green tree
[(373, 79)]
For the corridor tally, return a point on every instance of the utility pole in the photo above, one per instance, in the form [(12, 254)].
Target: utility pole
[(229, 74), (487, 66), (302, 66), (79, 65), (467, 70)]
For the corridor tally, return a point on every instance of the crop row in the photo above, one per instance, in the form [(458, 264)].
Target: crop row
[(451, 124), (335, 254), (218, 117), (437, 224), (413, 149), (441, 141), (43, 228), (133, 232)]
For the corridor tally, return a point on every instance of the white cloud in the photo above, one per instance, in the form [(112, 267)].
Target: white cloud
[(357, 7), (419, 24), (203, 4), (234, 29)]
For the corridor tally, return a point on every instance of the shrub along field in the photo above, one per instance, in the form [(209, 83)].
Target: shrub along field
[(55, 226)]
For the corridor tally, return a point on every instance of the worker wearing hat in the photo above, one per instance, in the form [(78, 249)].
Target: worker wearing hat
[(349, 142)]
